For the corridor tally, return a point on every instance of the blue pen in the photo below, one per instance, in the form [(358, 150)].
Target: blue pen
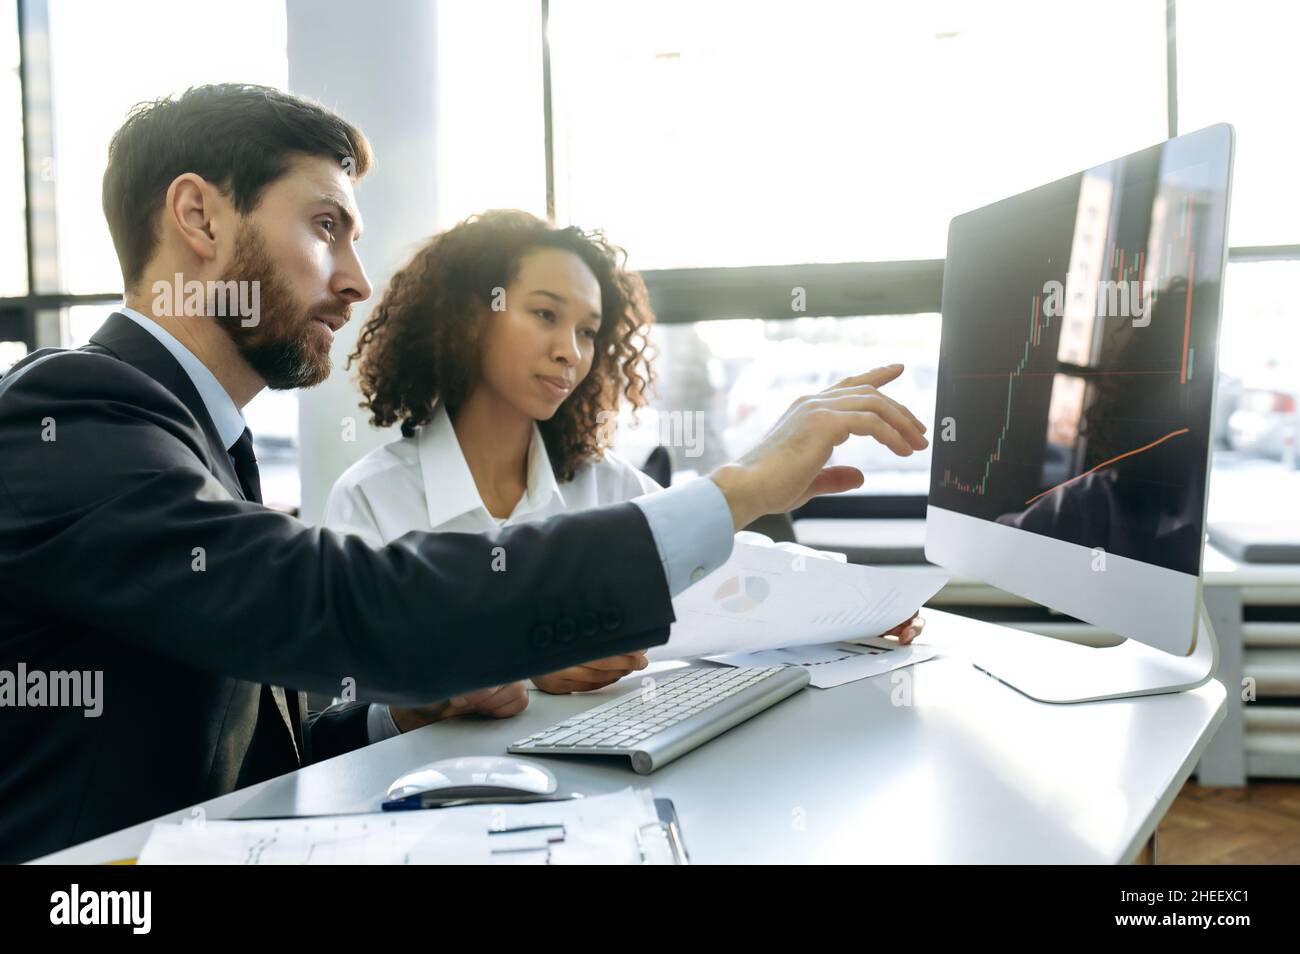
[(429, 800), (403, 804)]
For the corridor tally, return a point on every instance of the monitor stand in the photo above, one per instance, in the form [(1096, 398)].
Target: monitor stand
[(1055, 670)]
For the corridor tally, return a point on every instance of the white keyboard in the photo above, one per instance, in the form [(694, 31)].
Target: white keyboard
[(668, 716)]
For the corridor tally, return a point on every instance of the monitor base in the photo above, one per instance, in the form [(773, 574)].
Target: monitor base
[(1052, 670)]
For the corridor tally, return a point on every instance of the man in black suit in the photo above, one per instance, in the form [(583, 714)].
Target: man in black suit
[(133, 543)]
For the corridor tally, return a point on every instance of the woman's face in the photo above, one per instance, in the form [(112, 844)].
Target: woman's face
[(538, 349)]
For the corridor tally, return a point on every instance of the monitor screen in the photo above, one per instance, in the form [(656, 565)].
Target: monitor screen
[(1078, 355)]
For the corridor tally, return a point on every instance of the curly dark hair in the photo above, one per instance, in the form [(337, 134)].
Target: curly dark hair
[(422, 341)]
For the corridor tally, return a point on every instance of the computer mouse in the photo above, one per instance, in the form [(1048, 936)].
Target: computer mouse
[(475, 776)]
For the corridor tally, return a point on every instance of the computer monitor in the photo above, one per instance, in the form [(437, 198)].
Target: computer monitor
[(1076, 385)]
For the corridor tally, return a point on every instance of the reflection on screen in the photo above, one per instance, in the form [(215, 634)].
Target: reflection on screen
[(1076, 373)]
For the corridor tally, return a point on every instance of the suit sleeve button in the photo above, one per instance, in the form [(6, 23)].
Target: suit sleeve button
[(611, 619)]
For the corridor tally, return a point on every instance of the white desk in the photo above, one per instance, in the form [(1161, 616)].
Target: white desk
[(1254, 740), (971, 772)]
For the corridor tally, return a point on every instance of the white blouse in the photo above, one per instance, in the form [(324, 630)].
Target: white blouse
[(424, 483)]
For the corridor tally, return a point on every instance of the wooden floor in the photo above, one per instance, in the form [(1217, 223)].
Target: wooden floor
[(1258, 824)]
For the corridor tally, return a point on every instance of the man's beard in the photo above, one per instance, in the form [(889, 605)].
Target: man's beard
[(284, 347)]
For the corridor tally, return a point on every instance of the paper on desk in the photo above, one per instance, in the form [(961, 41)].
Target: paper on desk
[(620, 828), (834, 664), (771, 596), (380, 838)]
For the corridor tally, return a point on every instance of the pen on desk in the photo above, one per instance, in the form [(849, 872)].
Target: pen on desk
[(426, 800), (403, 804)]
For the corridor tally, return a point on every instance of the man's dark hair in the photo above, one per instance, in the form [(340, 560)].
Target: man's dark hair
[(241, 138)]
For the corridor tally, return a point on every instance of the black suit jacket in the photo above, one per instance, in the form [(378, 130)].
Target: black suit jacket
[(113, 484)]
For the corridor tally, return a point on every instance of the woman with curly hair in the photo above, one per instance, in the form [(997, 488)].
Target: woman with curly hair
[(502, 348)]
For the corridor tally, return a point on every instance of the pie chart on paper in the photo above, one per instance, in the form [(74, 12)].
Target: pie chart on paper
[(740, 594)]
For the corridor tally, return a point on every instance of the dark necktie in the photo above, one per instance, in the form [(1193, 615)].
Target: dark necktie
[(246, 470), (246, 466)]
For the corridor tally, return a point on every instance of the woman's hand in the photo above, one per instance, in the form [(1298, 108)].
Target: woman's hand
[(499, 702), (907, 630), (592, 675)]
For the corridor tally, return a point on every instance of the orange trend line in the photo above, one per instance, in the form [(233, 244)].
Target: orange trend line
[(1104, 463)]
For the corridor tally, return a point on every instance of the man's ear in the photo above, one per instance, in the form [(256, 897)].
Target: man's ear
[(190, 212)]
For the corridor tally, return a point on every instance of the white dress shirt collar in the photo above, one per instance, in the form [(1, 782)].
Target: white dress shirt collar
[(449, 488), (220, 405)]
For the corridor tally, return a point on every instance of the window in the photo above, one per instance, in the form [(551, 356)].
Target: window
[(723, 384), (771, 134), (13, 202), (742, 133), (1236, 63), (137, 58), (491, 144), (1257, 410)]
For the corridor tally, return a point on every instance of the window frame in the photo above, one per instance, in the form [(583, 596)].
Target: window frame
[(36, 318)]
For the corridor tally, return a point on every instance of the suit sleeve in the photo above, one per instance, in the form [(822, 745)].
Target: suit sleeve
[(110, 518), (338, 729)]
